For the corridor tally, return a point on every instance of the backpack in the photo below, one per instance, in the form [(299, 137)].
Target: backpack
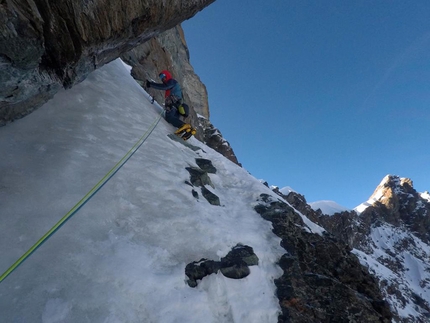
[(184, 110)]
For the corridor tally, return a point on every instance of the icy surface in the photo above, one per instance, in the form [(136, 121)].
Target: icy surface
[(121, 257)]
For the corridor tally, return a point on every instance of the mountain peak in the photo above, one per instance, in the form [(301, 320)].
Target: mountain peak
[(389, 190), (396, 202), (395, 183)]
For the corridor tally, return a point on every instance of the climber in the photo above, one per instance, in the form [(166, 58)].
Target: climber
[(174, 106)]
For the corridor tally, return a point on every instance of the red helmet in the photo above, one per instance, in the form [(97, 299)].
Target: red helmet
[(164, 74)]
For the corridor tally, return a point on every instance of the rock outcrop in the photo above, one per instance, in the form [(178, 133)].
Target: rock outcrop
[(199, 177), (46, 45), (234, 265)]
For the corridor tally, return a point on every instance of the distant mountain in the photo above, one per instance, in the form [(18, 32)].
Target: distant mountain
[(328, 207), (390, 234)]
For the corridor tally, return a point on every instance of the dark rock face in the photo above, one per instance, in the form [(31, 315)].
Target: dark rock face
[(49, 44), (234, 265), (322, 280)]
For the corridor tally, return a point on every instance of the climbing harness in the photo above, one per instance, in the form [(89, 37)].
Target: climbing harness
[(85, 199)]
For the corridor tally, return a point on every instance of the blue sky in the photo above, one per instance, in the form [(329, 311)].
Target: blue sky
[(326, 97)]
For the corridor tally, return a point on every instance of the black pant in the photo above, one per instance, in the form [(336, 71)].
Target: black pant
[(174, 118)]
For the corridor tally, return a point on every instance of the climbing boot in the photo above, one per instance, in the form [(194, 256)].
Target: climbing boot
[(188, 133), (183, 129)]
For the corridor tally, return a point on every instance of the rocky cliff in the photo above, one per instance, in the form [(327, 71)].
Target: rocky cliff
[(390, 235), (48, 44)]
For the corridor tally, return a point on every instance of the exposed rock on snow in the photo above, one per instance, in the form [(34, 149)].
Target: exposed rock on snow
[(234, 265), (200, 177), (210, 197), (206, 165)]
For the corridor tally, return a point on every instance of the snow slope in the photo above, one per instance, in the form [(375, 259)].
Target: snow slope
[(121, 257), (395, 248)]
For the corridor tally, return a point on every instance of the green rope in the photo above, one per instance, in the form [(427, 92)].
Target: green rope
[(85, 199)]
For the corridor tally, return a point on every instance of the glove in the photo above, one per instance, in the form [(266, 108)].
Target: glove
[(148, 84)]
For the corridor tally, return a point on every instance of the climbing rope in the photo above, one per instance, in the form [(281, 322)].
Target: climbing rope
[(84, 200)]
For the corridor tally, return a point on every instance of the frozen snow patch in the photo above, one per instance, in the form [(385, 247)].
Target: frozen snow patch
[(56, 310)]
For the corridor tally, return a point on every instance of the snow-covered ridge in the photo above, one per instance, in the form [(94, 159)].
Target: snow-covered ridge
[(286, 190), (363, 206), (328, 207)]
